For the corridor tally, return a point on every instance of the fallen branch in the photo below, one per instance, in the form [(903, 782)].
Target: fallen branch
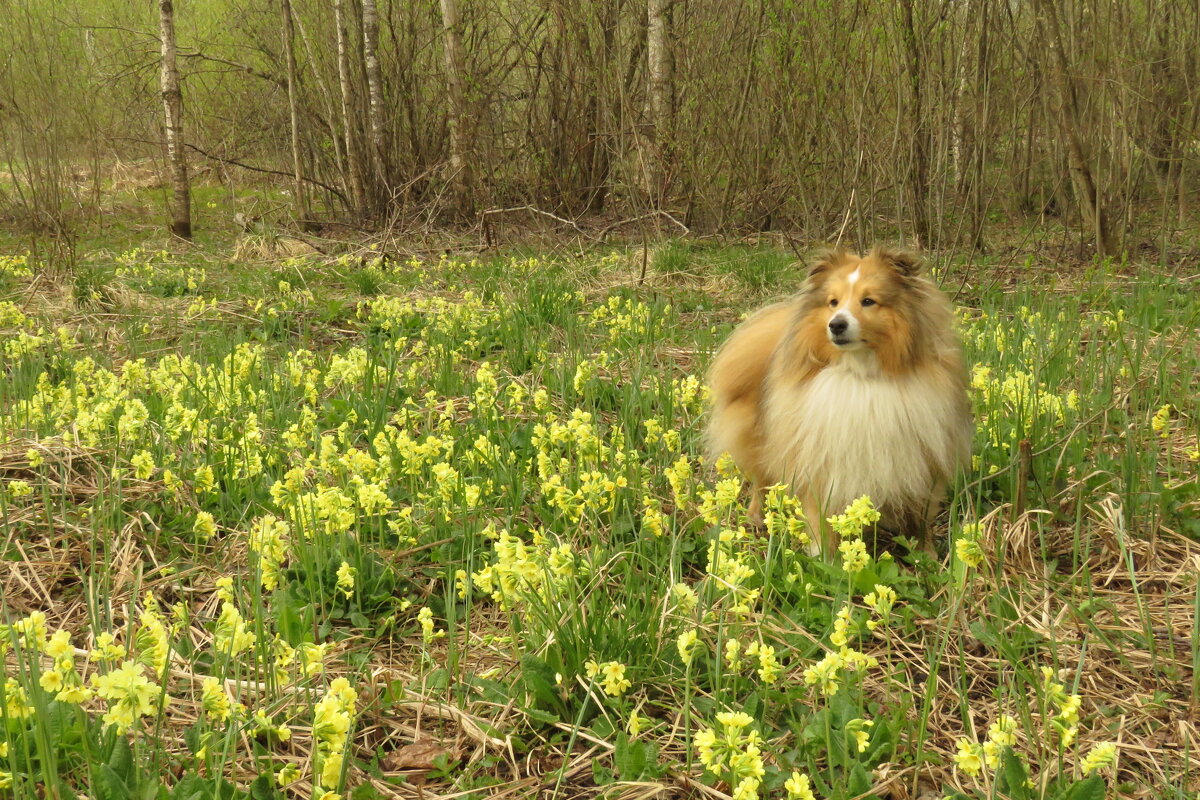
[(656, 213), (267, 170)]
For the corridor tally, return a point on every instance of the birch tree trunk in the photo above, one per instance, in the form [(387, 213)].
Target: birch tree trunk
[(378, 153), (354, 167), (289, 53), (181, 207), (658, 57), (455, 80), (330, 120)]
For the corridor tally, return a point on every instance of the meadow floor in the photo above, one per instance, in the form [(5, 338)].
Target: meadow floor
[(391, 522)]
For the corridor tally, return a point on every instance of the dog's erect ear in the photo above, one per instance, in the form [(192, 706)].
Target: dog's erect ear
[(906, 263), (824, 262)]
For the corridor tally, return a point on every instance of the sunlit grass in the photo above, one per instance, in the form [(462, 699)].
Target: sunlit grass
[(254, 514)]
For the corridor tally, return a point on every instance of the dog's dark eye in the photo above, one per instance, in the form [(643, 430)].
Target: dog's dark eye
[(866, 301), (833, 303)]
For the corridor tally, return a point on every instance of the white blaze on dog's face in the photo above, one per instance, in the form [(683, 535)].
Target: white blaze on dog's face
[(852, 303)]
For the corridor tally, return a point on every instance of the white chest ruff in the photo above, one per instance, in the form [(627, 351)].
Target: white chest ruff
[(852, 431)]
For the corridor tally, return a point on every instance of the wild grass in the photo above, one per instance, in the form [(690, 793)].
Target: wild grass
[(415, 526)]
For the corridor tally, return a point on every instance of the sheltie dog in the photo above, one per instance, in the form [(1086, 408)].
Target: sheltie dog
[(855, 386)]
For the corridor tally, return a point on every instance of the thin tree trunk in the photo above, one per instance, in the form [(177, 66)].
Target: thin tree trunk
[(289, 52), (455, 80), (379, 161), (181, 210), (658, 55), (918, 174), (330, 118), (354, 167), (1087, 196)]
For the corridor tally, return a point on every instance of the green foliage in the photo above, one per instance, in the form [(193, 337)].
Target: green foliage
[(477, 484)]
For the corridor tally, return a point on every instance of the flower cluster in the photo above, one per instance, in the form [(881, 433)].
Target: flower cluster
[(611, 676), (333, 718), (733, 751)]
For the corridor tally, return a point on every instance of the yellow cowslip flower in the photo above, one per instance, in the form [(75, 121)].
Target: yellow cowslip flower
[(373, 499), (705, 742), (31, 631), (51, 681), (653, 518), (106, 648), (1066, 722), (425, 619), (151, 641), (265, 725), (333, 716), (747, 789), (679, 476), (726, 467), (844, 626), (857, 729), (857, 516), (269, 538), (1099, 757), (331, 770), (289, 774), (768, 666), (611, 675), (798, 787), (734, 721), (205, 480), (130, 695), (739, 752), (881, 601), (486, 386), (685, 598), (231, 636), (16, 702), (345, 579), (74, 693), (854, 555), (854, 661), (967, 547), (585, 372), (733, 655), (59, 647), (614, 682), (635, 724), (205, 527), (143, 465), (312, 657), (1160, 423), (969, 757), (686, 643), (824, 674), (214, 701), (1003, 731), (34, 457), (224, 587)]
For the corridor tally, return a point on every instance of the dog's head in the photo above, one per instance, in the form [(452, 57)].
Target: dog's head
[(871, 302)]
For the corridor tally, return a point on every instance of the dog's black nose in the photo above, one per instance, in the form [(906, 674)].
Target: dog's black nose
[(838, 325)]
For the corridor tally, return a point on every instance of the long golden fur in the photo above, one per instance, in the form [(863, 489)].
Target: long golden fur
[(854, 386)]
